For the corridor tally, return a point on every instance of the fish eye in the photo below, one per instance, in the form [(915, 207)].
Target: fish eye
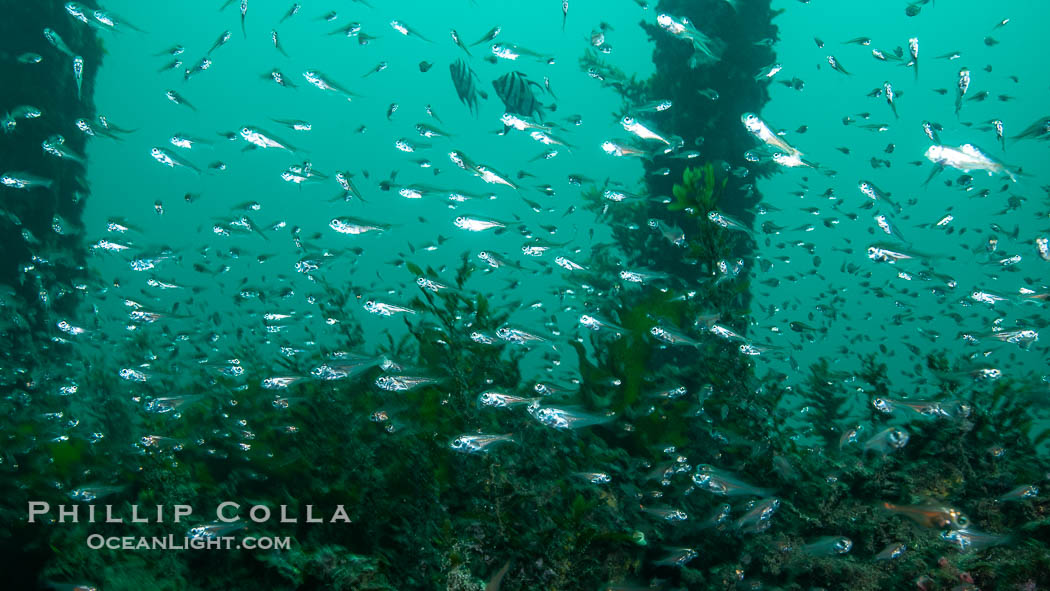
[(483, 255), (627, 120), (961, 520), (460, 219)]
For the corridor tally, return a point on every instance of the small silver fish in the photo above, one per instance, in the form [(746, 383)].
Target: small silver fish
[(294, 10), (54, 146), (887, 90), (57, 42), (961, 86), (887, 441), (277, 43), (171, 160), (837, 65), (178, 100), (24, 181), (224, 37), (891, 551), (472, 444), (407, 31), (78, 73)]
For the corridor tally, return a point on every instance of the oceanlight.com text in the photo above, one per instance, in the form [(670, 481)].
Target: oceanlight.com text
[(172, 542)]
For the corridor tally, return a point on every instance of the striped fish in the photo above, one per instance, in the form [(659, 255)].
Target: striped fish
[(463, 78), (514, 89)]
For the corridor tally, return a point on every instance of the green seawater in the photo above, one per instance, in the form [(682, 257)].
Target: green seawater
[(599, 387)]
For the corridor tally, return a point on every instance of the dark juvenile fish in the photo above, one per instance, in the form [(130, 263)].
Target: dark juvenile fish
[(1040, 130), (514, 89), (463, 78)]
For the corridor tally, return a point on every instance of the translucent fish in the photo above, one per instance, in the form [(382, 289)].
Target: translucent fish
[(472, 444), (382, 309), (280, 382), (403, 383), (721, 482), (892, 551), (568, 418), (24, 180), (160, 443), (758, 128), (705, 49), (642, 276), (133, 375), (759, 516), (214, 530), (1020, 493), (477, 224), (933, 516), (678, 557), (967, 158), (407, 31), (887, 441), (669, 514), (55, 146), (595, 477), (724, 221), (642, 131), (322, 82), (518, 336), (171, 160), (56, 41), (672, 337), (828, 546), (971, 540), (89, 493), (595, 323), (179, 100), (170, 404), (262, 139), (619, 150), (496, 399), (78, 73), (718, 517)]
